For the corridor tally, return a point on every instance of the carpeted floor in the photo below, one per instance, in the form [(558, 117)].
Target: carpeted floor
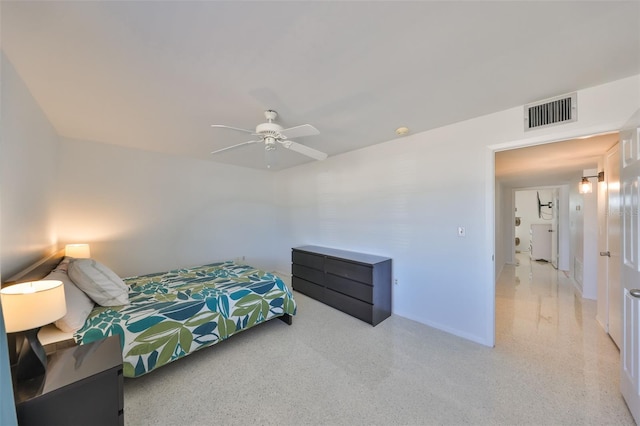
[(552, 365)]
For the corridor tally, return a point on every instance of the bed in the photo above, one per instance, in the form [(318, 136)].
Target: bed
[(174, 313)]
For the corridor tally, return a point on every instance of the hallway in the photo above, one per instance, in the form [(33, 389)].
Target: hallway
[(551, 335)]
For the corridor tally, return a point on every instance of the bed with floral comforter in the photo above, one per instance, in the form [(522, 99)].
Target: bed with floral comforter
[(172, 314)]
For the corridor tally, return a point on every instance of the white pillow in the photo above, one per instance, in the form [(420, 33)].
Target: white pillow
[(99, 282), (79, 305)]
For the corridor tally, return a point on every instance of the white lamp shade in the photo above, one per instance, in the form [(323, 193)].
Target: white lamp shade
[(32, 304), (78, 251)]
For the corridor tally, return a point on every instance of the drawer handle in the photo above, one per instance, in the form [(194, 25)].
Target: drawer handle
[(635, 293), (605, 253)]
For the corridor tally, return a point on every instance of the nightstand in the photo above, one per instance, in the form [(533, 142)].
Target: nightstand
[(53, 339), (82, 386)]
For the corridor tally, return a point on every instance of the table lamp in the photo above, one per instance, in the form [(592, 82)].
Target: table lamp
[(78, 251), (26, 307)]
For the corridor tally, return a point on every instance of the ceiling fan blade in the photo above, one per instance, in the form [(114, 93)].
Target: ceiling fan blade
[(299, 131), (234, 146), (222, 126), (304, 150)]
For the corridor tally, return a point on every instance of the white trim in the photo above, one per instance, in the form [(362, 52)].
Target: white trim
[(557, 137), (490, 249)]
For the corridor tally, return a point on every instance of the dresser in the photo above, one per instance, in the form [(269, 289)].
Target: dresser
[(358, 284), (82, 386)]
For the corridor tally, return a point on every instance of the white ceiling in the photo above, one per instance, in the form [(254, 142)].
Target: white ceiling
[(154, 75), (553, 163)]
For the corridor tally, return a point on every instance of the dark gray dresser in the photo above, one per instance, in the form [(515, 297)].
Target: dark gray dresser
[(356, 283)]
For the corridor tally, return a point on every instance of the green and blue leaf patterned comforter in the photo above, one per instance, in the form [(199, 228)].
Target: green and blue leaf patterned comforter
[(172, 314)]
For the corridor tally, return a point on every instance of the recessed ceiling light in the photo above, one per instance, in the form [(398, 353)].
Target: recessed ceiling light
[(401, 131)]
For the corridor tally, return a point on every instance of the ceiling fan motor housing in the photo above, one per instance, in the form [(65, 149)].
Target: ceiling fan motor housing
[(269, 129), (270, 114)]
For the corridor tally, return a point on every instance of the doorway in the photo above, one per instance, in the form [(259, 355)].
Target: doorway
[(536, 219), (553, 165)]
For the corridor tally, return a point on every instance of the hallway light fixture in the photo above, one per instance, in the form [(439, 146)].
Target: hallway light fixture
[(585, 186)]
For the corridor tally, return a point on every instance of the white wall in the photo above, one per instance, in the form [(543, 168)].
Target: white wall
[(28, 167), (590, 239), (564, 230), (146, 212), (583, 220), (576, 209), (405, 199)]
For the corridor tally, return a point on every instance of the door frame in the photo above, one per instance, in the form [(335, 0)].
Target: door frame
[(602, 301), (559, 198), (552, 136), (607, 279), (556, 253)]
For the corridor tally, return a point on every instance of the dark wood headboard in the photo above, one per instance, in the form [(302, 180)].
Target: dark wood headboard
[(38, 270)]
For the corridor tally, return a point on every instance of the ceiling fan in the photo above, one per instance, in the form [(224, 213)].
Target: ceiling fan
[(272, 134)]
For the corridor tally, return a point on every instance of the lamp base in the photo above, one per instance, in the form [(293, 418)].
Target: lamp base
[(32, 361)]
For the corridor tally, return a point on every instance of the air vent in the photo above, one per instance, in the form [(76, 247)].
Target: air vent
[(558, 110)]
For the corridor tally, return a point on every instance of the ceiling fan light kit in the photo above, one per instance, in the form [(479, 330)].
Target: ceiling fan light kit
[(272, 134)]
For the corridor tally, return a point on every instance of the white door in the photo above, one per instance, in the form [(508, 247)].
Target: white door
[(614, 245), (630, 265)]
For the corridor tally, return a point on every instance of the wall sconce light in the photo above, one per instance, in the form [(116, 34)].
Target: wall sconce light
[(585, 186), (27, 307), (78, 251)]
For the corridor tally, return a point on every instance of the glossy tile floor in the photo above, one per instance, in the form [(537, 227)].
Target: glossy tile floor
[(552, 365), (543, 326)]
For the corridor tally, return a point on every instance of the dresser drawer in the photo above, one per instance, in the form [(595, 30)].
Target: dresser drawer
[(310, 289), (308, 274), (351, 288), (306, 259), (349, 305), (353, 271)]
